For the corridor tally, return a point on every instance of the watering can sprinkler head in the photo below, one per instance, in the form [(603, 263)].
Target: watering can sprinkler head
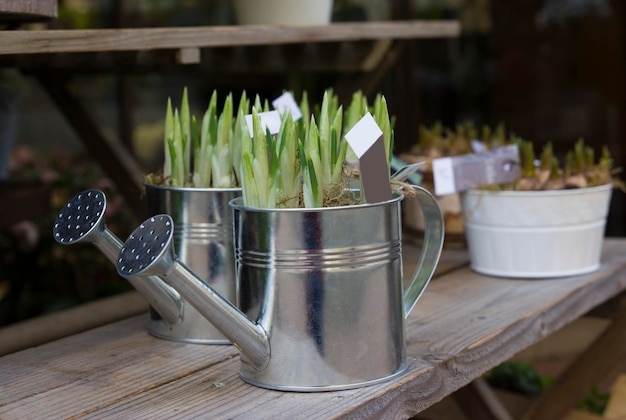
[(149, 250), (82, 220)]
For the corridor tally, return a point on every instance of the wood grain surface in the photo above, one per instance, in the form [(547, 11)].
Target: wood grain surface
[(27, 10), (463, 325), (138, 39)]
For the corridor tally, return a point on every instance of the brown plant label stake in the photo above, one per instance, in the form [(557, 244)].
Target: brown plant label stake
[(366, 140), (459, 173)]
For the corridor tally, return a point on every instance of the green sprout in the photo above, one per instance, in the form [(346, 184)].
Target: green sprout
[(205, 154), (527, 157), (175, 148), (547, 157), (306, 158), (288, 180), (168, 137), (311, 167), (380, 112)]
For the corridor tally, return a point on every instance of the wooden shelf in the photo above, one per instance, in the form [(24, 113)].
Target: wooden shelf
[(27, 10), (182, 38), (341, 57)]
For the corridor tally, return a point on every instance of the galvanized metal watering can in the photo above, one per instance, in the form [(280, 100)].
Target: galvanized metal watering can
[(320, 291)]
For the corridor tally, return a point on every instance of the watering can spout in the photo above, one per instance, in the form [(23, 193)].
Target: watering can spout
[(82, 220), (149, 251)]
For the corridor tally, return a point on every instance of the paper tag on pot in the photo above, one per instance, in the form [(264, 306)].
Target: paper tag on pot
[(269, 120), (366, 140), (459, 173), (286, 103)]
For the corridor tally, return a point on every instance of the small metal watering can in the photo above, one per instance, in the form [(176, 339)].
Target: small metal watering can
[(320, 291)]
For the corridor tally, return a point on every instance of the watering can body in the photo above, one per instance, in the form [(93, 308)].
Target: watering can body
[(320, 299), (327, 287)]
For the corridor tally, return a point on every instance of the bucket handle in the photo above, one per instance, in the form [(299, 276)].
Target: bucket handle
[(431, 248)]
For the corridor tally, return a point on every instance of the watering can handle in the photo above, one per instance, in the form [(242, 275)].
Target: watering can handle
[(431, 248)]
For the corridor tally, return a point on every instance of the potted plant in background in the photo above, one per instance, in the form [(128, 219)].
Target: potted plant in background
[(548, 223), (439, 141)]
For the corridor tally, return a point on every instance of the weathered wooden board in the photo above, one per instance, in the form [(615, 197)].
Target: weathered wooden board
[(27, 10), (464, 324), (45, 328), (138, 39)]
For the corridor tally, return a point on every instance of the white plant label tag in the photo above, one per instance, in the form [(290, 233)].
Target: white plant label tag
[(459, 173), (363, 135), (286, 103), (366, 140), (478, 146), (269, 120), (443, 175)]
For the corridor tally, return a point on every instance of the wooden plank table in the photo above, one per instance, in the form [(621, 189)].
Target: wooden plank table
[(463, 325)]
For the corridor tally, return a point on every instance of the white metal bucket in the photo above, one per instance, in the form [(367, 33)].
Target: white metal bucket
[(536, 234)]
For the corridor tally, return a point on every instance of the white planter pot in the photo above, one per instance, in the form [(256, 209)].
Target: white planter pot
[(535, 234), (283, 12)]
